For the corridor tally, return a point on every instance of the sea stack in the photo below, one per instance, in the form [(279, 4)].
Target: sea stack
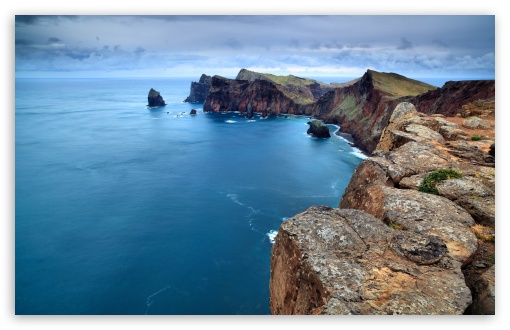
[(318, 130), (155, 99)]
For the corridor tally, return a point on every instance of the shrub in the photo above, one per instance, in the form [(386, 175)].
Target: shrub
[(476, 138), (428, 185)]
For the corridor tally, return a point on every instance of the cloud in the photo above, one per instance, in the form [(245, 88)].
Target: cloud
[(405, 44), (231, 42)]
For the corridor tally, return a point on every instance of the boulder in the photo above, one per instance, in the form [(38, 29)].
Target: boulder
[(344, 261), (475, 123), (193, 112)]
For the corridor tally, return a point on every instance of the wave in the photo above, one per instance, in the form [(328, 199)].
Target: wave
[(358, 153), (234, 198), (272, 235), (230, 121)]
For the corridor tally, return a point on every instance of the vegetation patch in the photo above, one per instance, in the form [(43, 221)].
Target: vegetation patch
[(428, 185), (476, 137), (397, 86)]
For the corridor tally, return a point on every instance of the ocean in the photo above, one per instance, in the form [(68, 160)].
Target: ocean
[(125, 210)]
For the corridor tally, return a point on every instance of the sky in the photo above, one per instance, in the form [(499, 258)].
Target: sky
[(450, 46)]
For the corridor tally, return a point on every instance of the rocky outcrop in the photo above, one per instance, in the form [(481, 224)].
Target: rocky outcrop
[(361, 107), (198, 90), (364, 108), (193, 112), (343, 261), (302, 90), (250, 97), (318, 130), (456, 225), (155, 99)]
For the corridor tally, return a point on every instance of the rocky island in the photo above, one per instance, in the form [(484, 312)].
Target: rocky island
[(414, 232), (155, 99)]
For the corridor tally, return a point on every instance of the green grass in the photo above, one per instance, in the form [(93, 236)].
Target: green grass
[(476, 137), (398, 86), (428, 185)]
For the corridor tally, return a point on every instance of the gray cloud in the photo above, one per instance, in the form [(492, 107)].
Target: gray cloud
[(405, 44), (279, 43)]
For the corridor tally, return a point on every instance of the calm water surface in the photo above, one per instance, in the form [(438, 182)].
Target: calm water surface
[(122, 209)]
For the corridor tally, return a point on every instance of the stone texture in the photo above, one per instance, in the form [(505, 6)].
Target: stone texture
[(475, 123), (341, 261), (484, 294)]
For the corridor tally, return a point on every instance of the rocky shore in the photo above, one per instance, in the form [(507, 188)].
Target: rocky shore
[(390, 248)]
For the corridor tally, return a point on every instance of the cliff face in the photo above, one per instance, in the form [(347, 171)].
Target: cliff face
[(363, 109), (404, 251), (198, 90), (250, 96), (450, 99)]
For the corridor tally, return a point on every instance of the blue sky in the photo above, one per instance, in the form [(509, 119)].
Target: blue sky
[(451, 46)]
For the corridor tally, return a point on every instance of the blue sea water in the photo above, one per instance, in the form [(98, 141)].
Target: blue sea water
[(121, 209)]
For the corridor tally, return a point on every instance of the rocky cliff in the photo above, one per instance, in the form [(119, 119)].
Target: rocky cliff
[(363, 109), (450, 99), (249, 97), (391, 247), (198, 90)]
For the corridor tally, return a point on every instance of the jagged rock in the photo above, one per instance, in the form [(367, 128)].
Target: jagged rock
[(484, 294), (424, 132), (469, 153), (475, 123), (418, 212), (472, 195), (318, 130), (199, 90), (451, 133), (341, 261), (193, 112), (155, 99)]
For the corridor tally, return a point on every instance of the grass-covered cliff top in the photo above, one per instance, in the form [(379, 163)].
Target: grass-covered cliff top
[(398, 86)]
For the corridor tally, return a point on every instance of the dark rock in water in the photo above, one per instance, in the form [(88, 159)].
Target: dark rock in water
[(193, 112), (318, 130), (155, 99), (199, 90)]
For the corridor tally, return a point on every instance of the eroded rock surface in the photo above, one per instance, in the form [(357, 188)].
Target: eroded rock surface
[(447, 231), (344, 261)]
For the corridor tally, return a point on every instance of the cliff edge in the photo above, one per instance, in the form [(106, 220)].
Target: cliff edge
[(395, 245)]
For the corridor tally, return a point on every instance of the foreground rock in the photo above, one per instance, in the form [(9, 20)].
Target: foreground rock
[(155, 99), (453, 230), (343, 261)]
